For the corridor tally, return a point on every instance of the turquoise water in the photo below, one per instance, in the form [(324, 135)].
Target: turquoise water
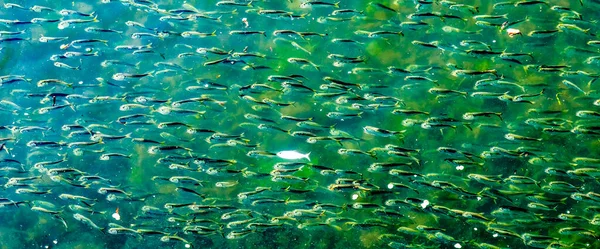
[(169, 124)]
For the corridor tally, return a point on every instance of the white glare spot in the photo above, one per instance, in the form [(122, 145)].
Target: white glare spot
[(187, 246), (457, 245), (460, 167), (512, 32), (390, 186), (475, 228), (478, 198), (495, 235), (354, 196), (116, 216), (80, 82), (425, 204), (55, 242)]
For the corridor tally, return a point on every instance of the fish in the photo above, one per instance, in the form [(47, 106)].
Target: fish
[(292, 155), (87, 221), (380, 132), (124, 76), (216, 94)]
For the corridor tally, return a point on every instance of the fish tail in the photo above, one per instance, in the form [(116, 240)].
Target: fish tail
[(62, 220)]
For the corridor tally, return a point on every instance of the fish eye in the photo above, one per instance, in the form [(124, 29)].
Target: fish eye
[(164, 110), (141, 99)]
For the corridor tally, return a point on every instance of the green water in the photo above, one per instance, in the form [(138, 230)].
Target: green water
[(482, 117)]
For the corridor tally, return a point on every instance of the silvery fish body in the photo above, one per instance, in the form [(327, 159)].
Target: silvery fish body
[(293, 155)]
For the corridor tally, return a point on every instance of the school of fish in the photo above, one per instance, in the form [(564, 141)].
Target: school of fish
[(365, 124)]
